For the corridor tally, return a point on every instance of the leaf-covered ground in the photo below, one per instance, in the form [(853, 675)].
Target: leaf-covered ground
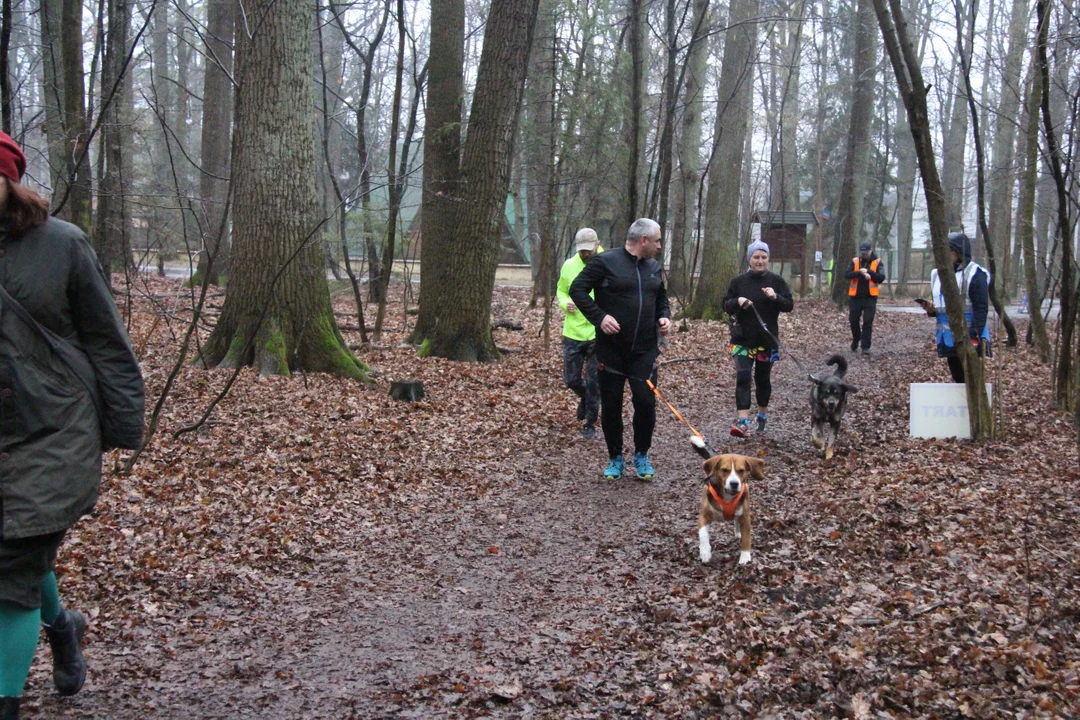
[(320, 550)]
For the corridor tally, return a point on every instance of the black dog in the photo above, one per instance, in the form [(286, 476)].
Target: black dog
[(828, 400)]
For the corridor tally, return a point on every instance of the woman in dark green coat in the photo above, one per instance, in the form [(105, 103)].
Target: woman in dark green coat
[(70, 387)]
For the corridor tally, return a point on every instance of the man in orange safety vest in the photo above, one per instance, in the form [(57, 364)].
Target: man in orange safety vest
[(866, 273)]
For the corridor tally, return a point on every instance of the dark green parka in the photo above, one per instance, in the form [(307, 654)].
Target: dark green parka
[(50, 434)]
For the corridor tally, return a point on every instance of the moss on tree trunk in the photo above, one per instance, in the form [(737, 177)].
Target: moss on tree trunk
[(277, 315), (460, 254)]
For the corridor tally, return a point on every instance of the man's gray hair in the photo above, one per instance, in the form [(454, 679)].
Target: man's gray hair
[(641, 226)]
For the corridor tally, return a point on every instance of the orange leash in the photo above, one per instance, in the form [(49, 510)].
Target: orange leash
[(602, 368), (673, 410)]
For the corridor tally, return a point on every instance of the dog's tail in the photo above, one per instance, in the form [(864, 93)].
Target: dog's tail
[(841, 365)]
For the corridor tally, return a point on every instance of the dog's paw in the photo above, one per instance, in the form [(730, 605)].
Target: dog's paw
[(744, 558), (828, 453), (706, 553), (704, 547)]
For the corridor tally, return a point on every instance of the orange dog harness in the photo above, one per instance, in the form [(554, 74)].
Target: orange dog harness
[(728, 508)]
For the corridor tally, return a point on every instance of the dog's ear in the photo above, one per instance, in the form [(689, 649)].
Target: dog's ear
[(757, 468), (849, 388), (710, 465)]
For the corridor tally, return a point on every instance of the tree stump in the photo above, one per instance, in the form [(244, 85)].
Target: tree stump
[(410, 391)]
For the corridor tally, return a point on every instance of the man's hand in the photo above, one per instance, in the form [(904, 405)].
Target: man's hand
[(865, 273), (744, 303), (769, 293), (571, 308), (609, 325), (665, 325)]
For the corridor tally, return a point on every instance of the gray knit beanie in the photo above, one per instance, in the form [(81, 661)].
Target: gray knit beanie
[(754, 247)]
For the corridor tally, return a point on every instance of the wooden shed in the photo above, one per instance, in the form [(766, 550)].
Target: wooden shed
[(784, 231)]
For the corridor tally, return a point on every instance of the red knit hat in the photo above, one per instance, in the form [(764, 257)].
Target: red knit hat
[(12, 160)]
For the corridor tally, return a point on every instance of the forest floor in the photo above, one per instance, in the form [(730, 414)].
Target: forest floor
[(319, 550)]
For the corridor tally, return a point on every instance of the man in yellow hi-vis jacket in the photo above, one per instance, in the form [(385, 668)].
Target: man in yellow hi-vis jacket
[(579, 335)]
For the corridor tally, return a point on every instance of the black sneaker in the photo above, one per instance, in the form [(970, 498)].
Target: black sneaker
[(588, 432), (65, 636), (9, 708), (854, 345), (865, 351), (761, 420)]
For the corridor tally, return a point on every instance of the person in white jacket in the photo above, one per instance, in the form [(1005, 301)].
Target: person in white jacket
[(974, 283)]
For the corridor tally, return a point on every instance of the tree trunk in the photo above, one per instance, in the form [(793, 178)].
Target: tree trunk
[(912, 87), (336, 50), (186, 185), (684, 210), (980, 165), (539, 137), (1025, 226), (906, 169), (392, 186), (277, 315), (52, 92), (442, 152), (633, 133), (1002, 170), (954, 152), (785, 185), (111, 240), (721, 243), (367, 59), (216, 140), (667, 136), (162, 231), (821, 43), (1062, 378), (905, 197), (5, 74), (848, 220), (468, 245), (72, 194)]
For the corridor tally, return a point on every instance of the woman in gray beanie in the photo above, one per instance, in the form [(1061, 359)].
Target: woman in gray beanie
[(752, 350)]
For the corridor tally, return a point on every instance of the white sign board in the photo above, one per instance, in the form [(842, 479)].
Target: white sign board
[(940, 410), (817, 256)]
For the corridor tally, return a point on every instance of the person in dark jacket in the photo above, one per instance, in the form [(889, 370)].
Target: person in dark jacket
[(752, 350), (54, 421), (630, 308), (974, 283), (866, 273)]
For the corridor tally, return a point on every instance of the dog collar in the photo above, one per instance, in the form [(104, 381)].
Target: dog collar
[(728, 507)]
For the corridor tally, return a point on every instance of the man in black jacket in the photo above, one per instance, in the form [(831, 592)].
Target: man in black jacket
[(865, 273), (631, 305)]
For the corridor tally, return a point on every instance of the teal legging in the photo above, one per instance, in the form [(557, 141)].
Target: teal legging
[(50, 599), (19, 631)]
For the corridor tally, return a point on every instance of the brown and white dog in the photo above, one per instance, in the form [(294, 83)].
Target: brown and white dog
[(726, 495)]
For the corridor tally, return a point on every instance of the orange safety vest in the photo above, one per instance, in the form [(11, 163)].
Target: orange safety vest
[(855, 282)]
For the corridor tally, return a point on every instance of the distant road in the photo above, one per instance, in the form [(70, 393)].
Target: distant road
[(1050, 310), (510, 275)]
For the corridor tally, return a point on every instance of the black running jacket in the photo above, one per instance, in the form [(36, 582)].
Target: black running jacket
[(630, 290)]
